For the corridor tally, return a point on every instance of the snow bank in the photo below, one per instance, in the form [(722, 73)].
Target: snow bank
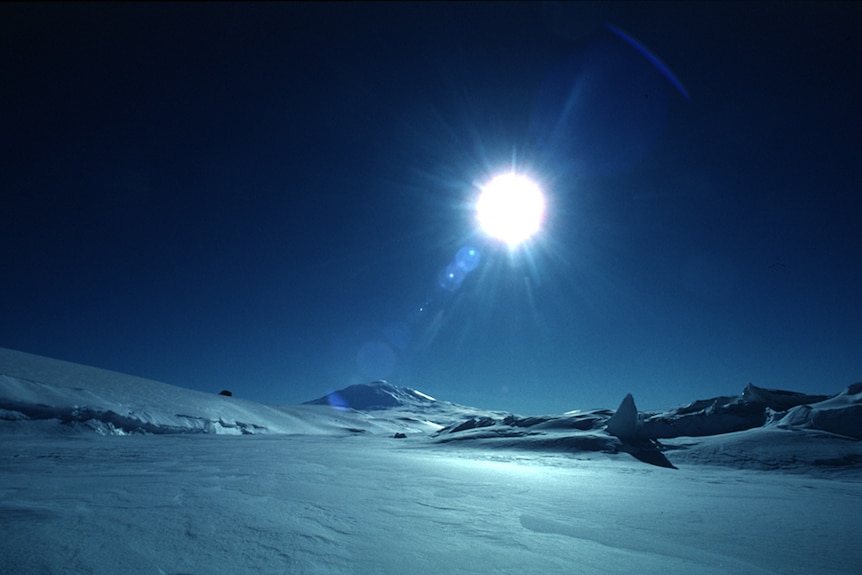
[(841, 414), (64, 396)]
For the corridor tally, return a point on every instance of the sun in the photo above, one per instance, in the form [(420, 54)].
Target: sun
[(510, 208)]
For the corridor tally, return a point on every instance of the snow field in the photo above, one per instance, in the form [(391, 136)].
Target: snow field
[(196, 504)]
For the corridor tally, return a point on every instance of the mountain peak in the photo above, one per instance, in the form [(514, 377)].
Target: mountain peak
[(378, 394)]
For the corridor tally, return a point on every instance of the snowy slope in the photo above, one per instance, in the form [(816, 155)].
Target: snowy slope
[(104, 473), (37, 392), (64, 396)]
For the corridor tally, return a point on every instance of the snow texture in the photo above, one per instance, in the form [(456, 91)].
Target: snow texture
[(106, 473)]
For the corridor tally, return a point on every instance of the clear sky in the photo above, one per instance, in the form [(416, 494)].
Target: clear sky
[(266, 197)]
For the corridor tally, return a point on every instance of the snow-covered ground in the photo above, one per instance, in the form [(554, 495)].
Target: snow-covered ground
[(107, 473)]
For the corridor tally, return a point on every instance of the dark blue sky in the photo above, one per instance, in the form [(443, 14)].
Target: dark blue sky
[(263, 197)]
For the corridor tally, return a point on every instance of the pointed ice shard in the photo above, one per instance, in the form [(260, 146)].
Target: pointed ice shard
[(624, 423)]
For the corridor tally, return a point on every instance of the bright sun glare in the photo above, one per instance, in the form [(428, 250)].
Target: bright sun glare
[(510, 208)]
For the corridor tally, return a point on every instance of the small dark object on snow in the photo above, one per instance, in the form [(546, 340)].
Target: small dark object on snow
[(225, 392), (400, 435)]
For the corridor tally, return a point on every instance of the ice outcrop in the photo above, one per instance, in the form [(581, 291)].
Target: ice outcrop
[(724, 414), (778, 399), (597, 431), (624, 422), (840, 414)]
